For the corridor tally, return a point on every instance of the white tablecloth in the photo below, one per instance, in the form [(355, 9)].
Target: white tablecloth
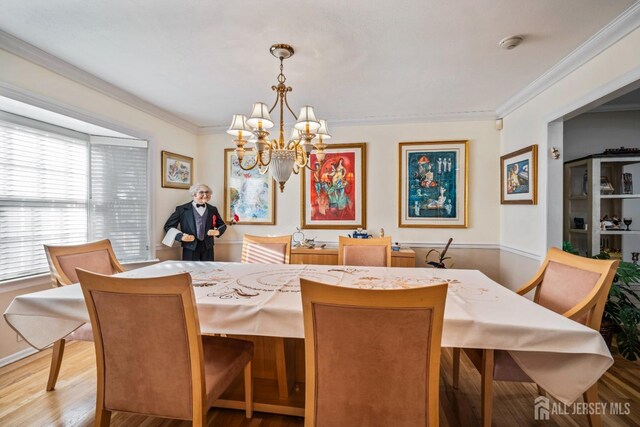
[(562, 356)]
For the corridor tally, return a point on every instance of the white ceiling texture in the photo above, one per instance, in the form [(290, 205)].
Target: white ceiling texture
[(356, 61)]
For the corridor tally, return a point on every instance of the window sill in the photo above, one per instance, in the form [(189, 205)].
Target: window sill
[(45, 278), (25, 283)]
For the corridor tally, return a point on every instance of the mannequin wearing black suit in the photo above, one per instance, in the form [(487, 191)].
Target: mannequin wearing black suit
[(184, 216)]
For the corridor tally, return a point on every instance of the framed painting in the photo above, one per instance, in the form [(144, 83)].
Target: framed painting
[(519, 177), (333, 192), (177, 171), (433, 184), (248, 194)]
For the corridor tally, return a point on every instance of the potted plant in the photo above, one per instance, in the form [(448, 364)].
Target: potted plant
[(621, 312)]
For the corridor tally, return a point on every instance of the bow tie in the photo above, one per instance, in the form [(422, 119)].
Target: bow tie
[(200, 206)]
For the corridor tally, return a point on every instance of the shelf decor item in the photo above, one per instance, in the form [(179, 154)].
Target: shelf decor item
[(433, 184), (627, 183), (519, 177), (177, 171), (605, 186), (248, 194)]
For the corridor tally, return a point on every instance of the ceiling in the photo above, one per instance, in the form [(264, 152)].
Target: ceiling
[(355, 61)]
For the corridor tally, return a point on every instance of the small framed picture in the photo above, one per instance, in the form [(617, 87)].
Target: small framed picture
[(519, 177), (177, 171)]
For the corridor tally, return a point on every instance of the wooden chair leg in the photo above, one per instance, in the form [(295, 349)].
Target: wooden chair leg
[(487, 387), (200, 421), (248, 390), (56, 361), (456, 367), (591, 396), (103, 417), (541, 391)]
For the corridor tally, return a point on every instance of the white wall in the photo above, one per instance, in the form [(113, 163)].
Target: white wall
[(524, 227), (25, 76), (592, 133), (382, 184)]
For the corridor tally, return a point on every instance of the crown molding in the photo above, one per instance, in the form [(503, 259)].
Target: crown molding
[(38, 56), (624, 24), (461, 116)]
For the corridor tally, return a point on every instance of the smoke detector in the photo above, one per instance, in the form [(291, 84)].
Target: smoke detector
[(510, 42)]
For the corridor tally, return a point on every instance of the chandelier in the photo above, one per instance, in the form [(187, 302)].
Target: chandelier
[(282, 157)]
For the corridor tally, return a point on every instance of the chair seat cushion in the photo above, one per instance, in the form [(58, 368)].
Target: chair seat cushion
[(83, 333), (224, 359), (504, 367)]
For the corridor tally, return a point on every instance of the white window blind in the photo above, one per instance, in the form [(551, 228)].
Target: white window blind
[(43, 197), (61, 190), (119, 196)]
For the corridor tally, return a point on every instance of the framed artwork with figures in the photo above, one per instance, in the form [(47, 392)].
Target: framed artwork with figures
[(177, 170), (248, 194), (333, 190), (433, 184), (519, 177)]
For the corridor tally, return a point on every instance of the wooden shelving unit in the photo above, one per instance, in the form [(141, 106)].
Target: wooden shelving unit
[(583, 198)]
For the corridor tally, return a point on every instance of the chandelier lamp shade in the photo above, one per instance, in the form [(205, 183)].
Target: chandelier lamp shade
[(281, 156)]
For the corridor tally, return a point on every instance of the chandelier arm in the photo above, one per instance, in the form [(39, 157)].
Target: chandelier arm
[(295, 169), (286, 102), (262, 162), (263, 171), (276, 102), (310, 168), (305, 158), (250, 167)]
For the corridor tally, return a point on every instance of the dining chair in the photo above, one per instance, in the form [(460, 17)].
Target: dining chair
[(94, 256), (366, 252), (151, 357), (372, 357), (266, 250), (571, 285)]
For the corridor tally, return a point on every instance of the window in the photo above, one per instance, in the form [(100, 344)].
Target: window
[(68, 188)]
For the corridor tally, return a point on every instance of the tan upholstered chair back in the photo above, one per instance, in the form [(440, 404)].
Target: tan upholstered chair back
[(574, 286), (372, 356), (266, 250), (148, 344), (97, 257), (368, 252)]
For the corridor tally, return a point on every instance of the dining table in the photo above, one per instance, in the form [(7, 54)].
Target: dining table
[(263, 300)]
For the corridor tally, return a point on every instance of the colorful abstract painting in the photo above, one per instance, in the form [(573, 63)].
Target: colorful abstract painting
[(248, 194), (433, 184), (333, 189)]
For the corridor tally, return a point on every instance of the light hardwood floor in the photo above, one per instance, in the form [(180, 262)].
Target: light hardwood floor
[(24, 401)]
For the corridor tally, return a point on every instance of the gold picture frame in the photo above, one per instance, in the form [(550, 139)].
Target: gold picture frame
[(177, 171), (248, 194), (433, 184), (333, 194), (519, 177)]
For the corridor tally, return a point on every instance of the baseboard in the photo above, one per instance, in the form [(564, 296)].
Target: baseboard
[(17, 356)]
